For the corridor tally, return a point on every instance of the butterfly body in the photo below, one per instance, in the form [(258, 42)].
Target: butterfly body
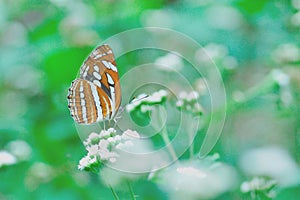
[(96, 94)]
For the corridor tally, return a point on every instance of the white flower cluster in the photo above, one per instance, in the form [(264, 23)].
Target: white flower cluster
[(102, 147), (170, 61), (283, 81), (274, 162), (280, 77), (7, 158), (16, 151), (198, 179), (217, 53), (189, 102), (286, 53), (295, 18), (258, 184), (38, 174), (145, 102)]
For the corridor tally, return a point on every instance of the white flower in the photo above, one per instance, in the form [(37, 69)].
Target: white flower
[(20, 149), (124, 145), (106, 155), (145, 102), (296, 4), (170, 61), (108, 132), (156, 97), (146, 108), (200, 86), (131, 134), (191, 171), (261, 185), (105, 149), (188, 101), (224, 17), (118, 138), (111, 140), (136, 102), (179, 103), (229, 62), (84, 162), (210, 52), (295, 19), (103, 144), (39, 173), (112, 160), (92, 150), (7, 158), (273, 162), (92, 137), (193, 95), (280, 77), (257, 184), (198, 180), (286, 53)]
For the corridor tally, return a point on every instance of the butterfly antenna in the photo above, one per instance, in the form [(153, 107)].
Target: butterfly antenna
[(134, 99), (122, 108)]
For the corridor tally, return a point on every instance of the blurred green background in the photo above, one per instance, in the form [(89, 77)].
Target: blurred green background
[(43, 44)]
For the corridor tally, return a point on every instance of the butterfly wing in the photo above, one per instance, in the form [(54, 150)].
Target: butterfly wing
[(87, 102), (100, 69)]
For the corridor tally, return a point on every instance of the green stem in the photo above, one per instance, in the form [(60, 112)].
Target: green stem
[(165, 136), (114, 192), (167, 141), (191, 147), (131, 191)]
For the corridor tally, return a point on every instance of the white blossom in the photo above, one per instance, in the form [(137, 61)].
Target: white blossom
[(103, 144), (39, 173), (92, 137), (179, 103), (188, 101), (145, 102), (84, 162), (210, 52), (200, 86), (131, 134), (105, 149), (295, 19), (191, 171), (273, 162), (92, 150), (198, 179), (108, 132), (146, 108), (20, 149), (280, 77), (170, 61), (124, 145), (7, 158), (258, 184), (286, 53)]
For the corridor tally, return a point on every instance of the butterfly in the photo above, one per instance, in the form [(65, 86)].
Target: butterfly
[(96, 95)]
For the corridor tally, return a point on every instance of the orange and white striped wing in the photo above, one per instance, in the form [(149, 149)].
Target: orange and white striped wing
[(88, 103), (96, 95), (100, 69)]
